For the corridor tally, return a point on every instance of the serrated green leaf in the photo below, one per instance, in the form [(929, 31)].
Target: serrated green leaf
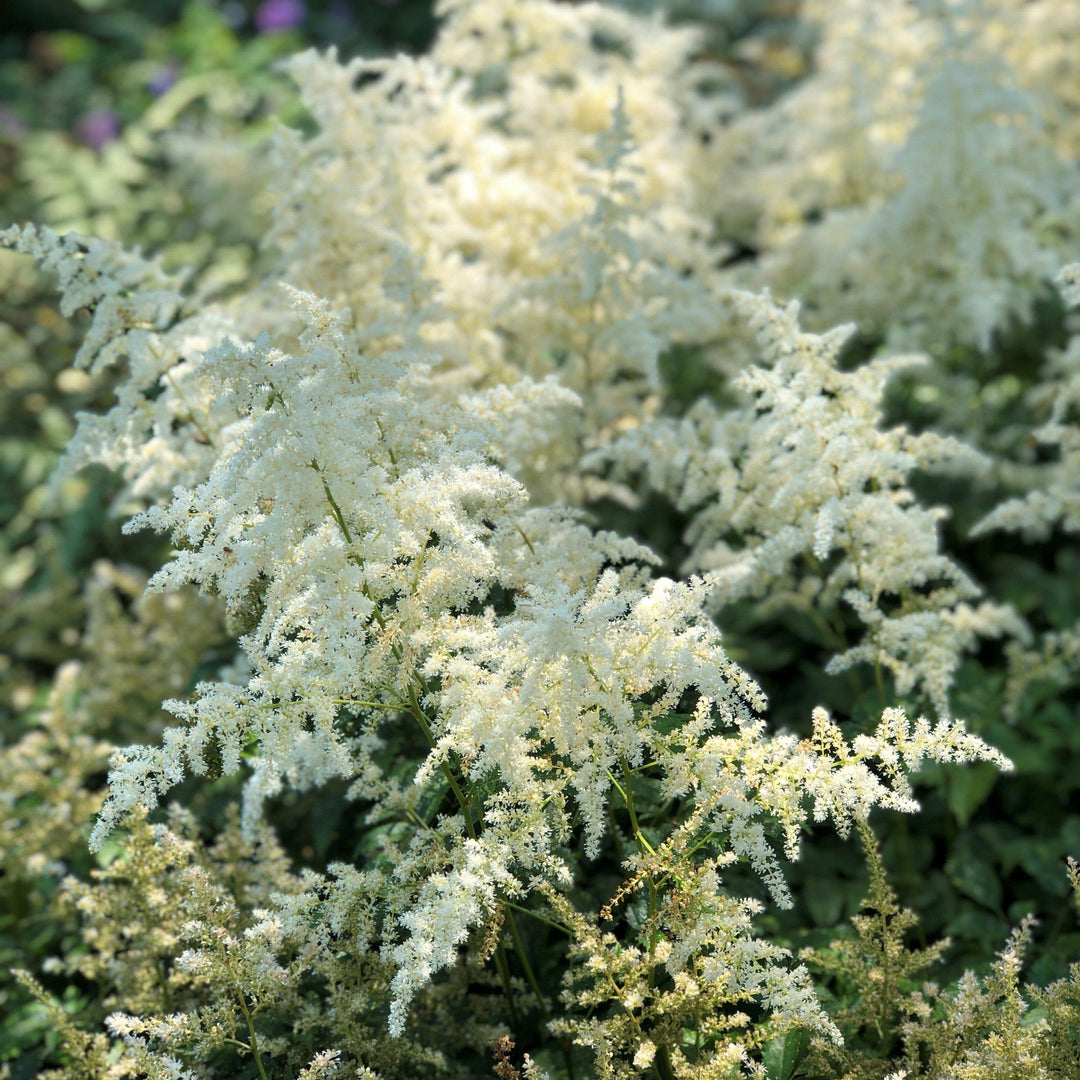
[(431, 798), (974, 876), (782, 1055)]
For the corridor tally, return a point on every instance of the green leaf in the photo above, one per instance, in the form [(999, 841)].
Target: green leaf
[(368, 848), (327, 822), (431, 797), (967, 789), (783, 1054), (824, 899), (1070, 835), (1044, 860), (1033, 1016), (665, 724), (971, 872)]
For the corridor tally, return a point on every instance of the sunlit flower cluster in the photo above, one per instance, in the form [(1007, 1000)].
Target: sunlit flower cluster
[(384, 468)]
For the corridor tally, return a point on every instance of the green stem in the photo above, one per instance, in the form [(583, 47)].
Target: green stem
[(504, 977), (541, 918), (391, 706), (339, 517), (389, 448), (628, 798), (530, 976), (528, 542), (662, 1063), (254, 1037), (654, 935), (425, 726)]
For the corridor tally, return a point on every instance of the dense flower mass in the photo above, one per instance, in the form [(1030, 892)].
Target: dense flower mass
[(818, 495), (408, 471), (362, 544)]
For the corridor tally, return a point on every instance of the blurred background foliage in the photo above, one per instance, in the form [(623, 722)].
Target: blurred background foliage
[(120, 118)]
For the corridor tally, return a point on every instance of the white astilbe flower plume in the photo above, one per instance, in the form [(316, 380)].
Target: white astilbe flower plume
[(802, 494), (1052, 502), (535, 163), (387, 571), (1055, 498), (919, 180), (162, 429)]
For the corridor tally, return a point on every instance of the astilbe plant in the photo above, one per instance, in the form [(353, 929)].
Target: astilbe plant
[(798, 495), (43, 777), (558, 243), (345, 456), (915, 181), (132, 645), (354, 518), (46, 774), (1051, 502), (988, 1027)]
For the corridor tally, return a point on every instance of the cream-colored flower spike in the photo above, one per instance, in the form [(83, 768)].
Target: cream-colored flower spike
[(919, 180), (535, 163), (801, 493), (1055, 497), (1052, 501), (160, 431)]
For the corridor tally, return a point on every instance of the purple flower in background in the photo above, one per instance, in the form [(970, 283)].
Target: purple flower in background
[(163, 78), (275, 16), (98, 129)]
